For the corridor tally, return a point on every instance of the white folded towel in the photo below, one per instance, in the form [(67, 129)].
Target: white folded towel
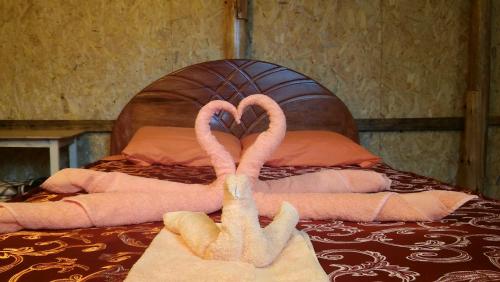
[(192, 247), (169, 259)]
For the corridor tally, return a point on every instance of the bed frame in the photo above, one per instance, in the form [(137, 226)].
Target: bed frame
[(175, 99)]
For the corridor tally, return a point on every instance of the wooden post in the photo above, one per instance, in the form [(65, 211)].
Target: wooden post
[(471, 172), (236, 36)]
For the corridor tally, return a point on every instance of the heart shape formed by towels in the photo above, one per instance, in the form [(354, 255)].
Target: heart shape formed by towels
[(256, 155)]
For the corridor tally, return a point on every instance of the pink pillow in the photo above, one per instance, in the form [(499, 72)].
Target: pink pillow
[(321, 148), (174, 145)]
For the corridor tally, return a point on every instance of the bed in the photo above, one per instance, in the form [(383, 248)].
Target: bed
[(464, 246)]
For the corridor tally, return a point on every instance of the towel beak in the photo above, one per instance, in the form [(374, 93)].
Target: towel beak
[(234, 191)]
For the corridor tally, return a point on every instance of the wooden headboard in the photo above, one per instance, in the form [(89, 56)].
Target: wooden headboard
[(174, 100)]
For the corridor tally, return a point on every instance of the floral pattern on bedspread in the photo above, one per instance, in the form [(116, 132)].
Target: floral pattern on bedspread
[(464, 246)]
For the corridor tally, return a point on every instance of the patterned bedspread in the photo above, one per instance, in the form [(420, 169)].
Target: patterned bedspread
[(464, 246)]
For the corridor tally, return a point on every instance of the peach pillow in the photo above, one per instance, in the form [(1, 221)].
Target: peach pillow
[(174, 145), (321, 148)]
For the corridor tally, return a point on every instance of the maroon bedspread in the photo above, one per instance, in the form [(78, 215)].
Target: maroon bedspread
[(465, 246)]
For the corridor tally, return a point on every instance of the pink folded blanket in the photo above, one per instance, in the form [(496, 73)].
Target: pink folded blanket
[(117, 199)]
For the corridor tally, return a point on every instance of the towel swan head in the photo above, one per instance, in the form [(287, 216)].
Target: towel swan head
[(255, 156), (237, 187)]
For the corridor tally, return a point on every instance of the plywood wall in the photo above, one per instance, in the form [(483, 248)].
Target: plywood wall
[(85, 59), (432, 153), (383, 59), (331, 41)]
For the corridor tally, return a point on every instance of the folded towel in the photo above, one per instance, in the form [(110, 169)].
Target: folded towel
[(108, 209), (168, 253), (384, 206), (104, 209), (237, 249), (327, 181), (71, 180)]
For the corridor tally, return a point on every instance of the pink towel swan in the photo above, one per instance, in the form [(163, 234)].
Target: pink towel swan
[(117, 198)]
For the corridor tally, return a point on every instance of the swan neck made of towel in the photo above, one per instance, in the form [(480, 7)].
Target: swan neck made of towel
[(268, 141), (256, 155), (220, 158)]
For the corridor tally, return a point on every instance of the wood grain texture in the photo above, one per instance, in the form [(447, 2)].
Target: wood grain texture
[(86, 59), (364, 125), (175, 99), (472, 167), (23, 134), (85, 125), (410, 124), (384, 58), (494, 121), (337, 43), (236, 37), (495, 59), (424, 57), (415, 151), (492, 188)]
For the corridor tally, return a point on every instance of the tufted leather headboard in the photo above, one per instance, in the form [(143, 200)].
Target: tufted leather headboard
[(174, 100)]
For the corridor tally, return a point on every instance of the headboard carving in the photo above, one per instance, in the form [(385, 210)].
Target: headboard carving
[(174, 100)]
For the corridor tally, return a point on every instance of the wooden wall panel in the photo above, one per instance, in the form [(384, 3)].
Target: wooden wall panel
[(493, 164), (385, 59), (334, 42), (197, 32), (428, 153), (424, 52), (493, 146), (85, 59), (495, 59)]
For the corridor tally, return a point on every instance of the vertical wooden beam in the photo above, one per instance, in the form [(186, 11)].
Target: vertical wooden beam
[(236, 36), (471, 173)]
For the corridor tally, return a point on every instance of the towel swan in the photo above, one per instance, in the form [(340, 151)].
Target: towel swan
[(239, 237)]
